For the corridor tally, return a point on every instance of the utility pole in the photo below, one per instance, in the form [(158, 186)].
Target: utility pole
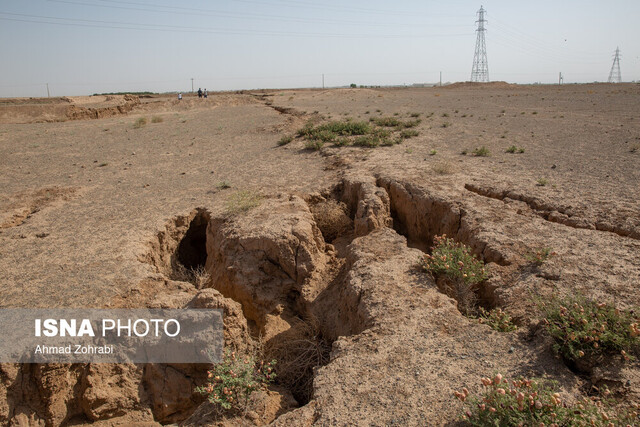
[(560, 78), (323, 81), (440, 78), (48, 95), (191, 84), (614, 74), (480, 69)]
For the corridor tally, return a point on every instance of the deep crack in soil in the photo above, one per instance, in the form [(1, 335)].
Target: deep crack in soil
[(297, 278)]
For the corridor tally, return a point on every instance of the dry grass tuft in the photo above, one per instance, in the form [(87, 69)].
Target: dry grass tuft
[(298, 351), (199, 277), (444, 168), (142, 121), (332, 219), (242, 201)]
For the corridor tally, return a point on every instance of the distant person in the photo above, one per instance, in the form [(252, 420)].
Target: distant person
[(199, 93), (179, 96), (206, 93)]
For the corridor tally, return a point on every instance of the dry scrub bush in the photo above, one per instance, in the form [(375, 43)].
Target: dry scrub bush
[(299, 350), (157, 119), (536, 402), (197, 276), (142, 121), (332, 219), (444, 168)]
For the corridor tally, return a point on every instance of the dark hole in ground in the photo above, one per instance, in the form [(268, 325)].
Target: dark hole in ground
[(192, 250)]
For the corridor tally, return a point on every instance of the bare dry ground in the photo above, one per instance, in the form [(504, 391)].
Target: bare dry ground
[(96, 208)]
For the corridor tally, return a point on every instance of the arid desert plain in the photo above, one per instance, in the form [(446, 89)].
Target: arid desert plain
[(312, 243)]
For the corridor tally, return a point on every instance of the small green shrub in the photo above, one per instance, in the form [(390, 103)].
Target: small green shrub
[(496, 319), (382, 133), (464, 152), (386, 121), (460, 270), (415, 115), (539, 256), (411, 123), (446, 124), (285, 140), (231, 382), (409, 133), (582, 328), (454, 260), (445, 114), (541, 182), (537, 402), (329, 132), (513, 149), (341, 142), (306, 131), (314, 145), (223, 185), (140, 122), (347, 127), (157, 119), (388, 142), (433, 152), (481, 152), (366, 141), (325, 135), (242, 201)]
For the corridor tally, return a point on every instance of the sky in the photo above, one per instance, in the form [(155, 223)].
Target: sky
[(81, 47)]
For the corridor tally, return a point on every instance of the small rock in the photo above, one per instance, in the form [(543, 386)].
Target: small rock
[(511, 349), (553, 167)]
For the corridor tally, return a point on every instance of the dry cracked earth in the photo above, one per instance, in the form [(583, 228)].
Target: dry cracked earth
[(98, 211)]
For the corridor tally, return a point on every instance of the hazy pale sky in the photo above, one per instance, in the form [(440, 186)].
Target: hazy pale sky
[(90, 46)]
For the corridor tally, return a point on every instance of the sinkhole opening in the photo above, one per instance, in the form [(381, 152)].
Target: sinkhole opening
[(192, 249)]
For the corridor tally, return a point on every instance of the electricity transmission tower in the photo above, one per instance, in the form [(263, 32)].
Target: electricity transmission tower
[(480, 70), (614, 74)]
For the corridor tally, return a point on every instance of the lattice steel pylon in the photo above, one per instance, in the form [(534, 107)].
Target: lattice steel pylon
[(480, 69), (614, 74)]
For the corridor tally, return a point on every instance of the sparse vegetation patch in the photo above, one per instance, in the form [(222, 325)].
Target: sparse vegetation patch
[(481, 152), (231, 382), (497, 319), (538, 402), (286, 139), (242, 201), (461, 270), (384, 131), (514, 150), (584, 328)]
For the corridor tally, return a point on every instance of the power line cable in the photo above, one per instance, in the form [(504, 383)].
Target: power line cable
[(245, 15), (92, 23)]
